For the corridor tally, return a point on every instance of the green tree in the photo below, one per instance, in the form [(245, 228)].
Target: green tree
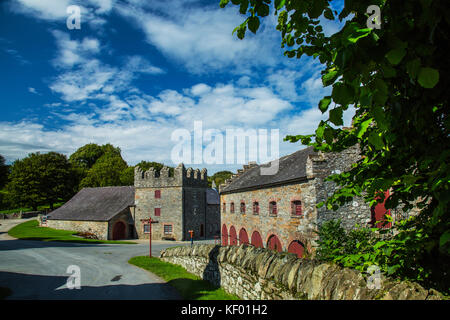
[(219, 178), (106, 171), (4, 171), (396, 78), (87, 155), (41, 179), (145, 165), (127, 177)]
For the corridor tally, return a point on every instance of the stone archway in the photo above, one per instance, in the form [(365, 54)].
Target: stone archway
[(224, 235), (119, 231), (233, 236), (243, 237), (257, 240), (297, 248), (273, 243)]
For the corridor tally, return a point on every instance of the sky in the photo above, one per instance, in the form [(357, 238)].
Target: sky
[(138, 72)]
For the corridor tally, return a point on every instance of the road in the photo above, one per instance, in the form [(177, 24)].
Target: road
[(39, 270)]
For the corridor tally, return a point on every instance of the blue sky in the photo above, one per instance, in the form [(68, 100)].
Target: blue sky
[(138, 70)]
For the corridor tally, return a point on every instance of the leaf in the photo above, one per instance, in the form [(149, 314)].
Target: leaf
[(223, 3), (376, 140), (324, 103), (328, 13), (336, 116), (445, 238), (342, 94), (329, 78), (279, 4), (413, 67), (396, 55), (428, 77), (253, 24), (363, 127)]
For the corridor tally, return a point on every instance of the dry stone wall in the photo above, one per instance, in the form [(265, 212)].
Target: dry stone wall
[(260, 274)]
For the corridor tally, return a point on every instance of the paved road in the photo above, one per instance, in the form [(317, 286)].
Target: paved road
[(38, 270)]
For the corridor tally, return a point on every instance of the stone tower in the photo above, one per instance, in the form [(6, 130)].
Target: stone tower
[(177, 203)]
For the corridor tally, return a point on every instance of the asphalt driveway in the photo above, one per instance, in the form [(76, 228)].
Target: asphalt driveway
[(39, 270)]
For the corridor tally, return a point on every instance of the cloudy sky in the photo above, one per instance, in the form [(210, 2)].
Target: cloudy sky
[(137, 71)]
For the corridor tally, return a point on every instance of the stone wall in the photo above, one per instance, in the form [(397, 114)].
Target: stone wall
[(99, 228), (260, 274)]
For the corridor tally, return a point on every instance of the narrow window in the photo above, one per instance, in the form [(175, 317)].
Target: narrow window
[(242, 207), (224, 207), (157, 194), (232, 207), (157, 212), (255, 207), (146, 228), (273, 208), (296, 208)]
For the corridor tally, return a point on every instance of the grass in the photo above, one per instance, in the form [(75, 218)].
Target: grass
[(40, 208), (30, 230), (187, 284)]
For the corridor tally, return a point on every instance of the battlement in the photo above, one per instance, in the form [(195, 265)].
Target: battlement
[(181, 177)]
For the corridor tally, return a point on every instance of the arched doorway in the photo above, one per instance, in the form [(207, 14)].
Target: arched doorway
[(224, 235), (233, 236), (297, 247), (378, 214), (257, 240), (119, 230), (273, 243), (243, 237)]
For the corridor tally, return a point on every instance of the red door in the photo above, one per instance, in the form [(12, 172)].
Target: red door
[(274, 243), (257, 240), (119, 230), (233, 236), (297, 248), (224, 235), (243, 237), (378, 213)]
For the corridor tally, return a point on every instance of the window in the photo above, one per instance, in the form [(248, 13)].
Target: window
[(146, 228), (224, 207), (232, 207), (157, 212), (273, 208), (168, 229), (296, 208), (157, 194), (255, 207), (242, 207)]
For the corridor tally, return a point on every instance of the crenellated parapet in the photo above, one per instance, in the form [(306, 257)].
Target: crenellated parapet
[(181, 177)]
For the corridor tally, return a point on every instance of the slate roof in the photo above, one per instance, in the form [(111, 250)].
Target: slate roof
[(212, 196), (291, 168), (95, 204)]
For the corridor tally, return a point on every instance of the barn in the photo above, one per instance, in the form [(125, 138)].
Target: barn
[(106, 212)]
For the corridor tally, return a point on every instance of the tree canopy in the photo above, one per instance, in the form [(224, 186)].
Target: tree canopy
[(396, 79), (41, 179), (219, 177), (4, 171)]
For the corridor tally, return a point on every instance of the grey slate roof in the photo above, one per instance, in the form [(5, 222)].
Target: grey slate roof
[(212, 196), (95, 204), (291, 168)]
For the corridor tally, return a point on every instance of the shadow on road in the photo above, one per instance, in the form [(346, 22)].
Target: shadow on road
[(42, 287), (37, 243)]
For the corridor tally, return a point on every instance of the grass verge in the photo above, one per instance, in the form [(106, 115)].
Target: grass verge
[(187, 284), (30, 230)]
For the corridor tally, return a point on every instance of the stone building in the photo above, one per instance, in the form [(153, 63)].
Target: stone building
[(178, 204), (106, 212), (279, 211)]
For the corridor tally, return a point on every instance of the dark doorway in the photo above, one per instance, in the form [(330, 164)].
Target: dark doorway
[(119, 230)]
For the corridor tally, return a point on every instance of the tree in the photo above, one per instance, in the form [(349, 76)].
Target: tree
[(396, 78), (4, 171), (41, 179), (87, 155), (219, 177), (106, 171)]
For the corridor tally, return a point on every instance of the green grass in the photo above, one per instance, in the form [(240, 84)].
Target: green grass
[(40, 208), (187, 284), (30, 230)]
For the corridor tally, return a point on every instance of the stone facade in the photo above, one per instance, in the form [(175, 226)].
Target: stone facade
[(99, 228), (260, 274), (287, 225), (178, 204)]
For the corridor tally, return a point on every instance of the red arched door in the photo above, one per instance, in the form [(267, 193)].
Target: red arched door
[(119, 230), (224, 235), (297, 247), (243, 237), (233, 236), (257, 240), (378, 214), (273, 243)]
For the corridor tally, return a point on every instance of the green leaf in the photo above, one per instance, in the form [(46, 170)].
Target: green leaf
[(342, 94), (329, 78), (279, 4), (336, 116), (253, 24), (445, 238), (328, 13), (324, 103), (363, 127), (395, 55), (413, 67), (376, 140), (428, 77), (223, 3)]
